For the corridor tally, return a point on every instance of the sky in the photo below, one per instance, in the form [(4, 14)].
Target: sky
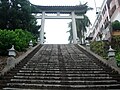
[(56, 28)]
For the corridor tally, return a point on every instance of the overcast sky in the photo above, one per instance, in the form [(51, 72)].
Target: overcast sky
[(56, 29)]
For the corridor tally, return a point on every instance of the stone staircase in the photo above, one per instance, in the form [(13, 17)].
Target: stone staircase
[(60, 67)]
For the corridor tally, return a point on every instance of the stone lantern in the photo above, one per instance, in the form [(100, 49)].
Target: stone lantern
[(111, 52), (38, 40), (12, 51), (11, 59), (88, 39), (30, 43), (111, 56)]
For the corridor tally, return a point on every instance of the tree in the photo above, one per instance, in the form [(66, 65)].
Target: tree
[(71, 33), (81, 25), (16, 14)]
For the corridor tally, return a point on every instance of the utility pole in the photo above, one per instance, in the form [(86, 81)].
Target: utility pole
[(95, 6)]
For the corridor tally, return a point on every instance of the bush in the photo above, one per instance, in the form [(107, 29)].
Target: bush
[(100, 48), (115, 43), (19, 38), (117, 57)]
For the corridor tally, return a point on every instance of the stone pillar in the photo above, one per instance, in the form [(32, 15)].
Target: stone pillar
[(42, 28), (74, 28)]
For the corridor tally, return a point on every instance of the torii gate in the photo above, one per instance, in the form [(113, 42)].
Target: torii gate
[(72, 10)]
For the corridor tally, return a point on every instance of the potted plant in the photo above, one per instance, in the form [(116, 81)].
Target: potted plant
[(115, 28)]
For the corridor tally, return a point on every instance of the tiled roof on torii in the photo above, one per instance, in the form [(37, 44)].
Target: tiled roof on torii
[(77, 8)]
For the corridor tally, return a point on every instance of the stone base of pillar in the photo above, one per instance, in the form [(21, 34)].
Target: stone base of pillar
[(10, 61), (112, 62)]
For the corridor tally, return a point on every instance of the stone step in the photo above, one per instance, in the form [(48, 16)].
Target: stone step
[(67, 68), (53, 65), (57, 78), (59, 74), (59, 86), (20, 89), (67, 71), (68, 76), (62, 80)]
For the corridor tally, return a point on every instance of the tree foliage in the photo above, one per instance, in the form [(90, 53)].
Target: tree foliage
[(71, 33), (100, 47), (81, 25), (19, 38), (115, 43), (16, 14)]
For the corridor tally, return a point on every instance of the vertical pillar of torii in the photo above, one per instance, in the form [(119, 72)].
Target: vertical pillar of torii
[(74, 28), (42, 28)]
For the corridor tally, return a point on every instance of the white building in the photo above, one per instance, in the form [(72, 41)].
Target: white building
[(110, 11)]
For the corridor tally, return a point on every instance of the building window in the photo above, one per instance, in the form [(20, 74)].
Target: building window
[(108, 3), (113, 9), (96, 26), (101, 29), (100, 18), (93, 31), (104, 10), (119, 2), (107, 19)]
